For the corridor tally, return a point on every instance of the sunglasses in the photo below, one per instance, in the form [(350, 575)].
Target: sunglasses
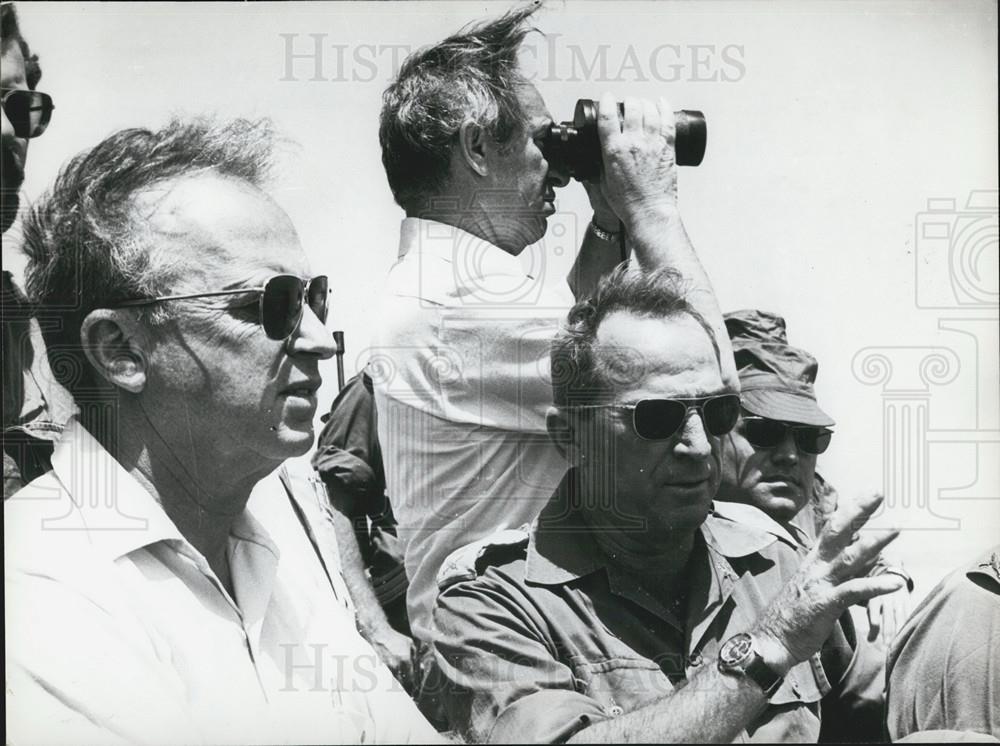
[(282, 302), (28, 111), (661, 419), (765, 433)]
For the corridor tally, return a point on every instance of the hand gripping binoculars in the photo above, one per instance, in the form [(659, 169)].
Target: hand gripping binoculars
[(573, 147)]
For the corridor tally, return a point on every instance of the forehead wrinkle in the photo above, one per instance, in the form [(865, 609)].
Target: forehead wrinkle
[(242, 235)]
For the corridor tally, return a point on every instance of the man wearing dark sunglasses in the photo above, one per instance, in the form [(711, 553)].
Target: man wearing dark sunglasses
[(634, 610), (461, 372), (170, 580), (769, 459), (34, 405)]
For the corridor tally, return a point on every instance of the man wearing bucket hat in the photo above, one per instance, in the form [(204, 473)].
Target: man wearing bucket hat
[(769, 461)]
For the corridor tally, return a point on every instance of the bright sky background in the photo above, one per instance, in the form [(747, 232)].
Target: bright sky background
[(831, 124)]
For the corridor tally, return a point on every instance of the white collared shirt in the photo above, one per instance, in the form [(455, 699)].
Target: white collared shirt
[(462, 386), (119, 631)]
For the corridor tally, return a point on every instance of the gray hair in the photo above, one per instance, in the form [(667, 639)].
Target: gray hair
[(579, 374), (472, 75), (87, 246)]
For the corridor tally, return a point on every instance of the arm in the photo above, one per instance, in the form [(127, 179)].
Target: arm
[(597, 257), (395, 649), (715, 707), (348, 459), (639, 181)]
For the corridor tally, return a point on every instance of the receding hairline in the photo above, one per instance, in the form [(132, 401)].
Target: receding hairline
[(602, 348)]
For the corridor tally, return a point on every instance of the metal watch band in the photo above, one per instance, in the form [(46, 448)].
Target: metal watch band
[(609, 236)]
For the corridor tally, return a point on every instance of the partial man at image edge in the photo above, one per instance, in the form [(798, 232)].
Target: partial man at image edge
[(35, 405), (944, 666)]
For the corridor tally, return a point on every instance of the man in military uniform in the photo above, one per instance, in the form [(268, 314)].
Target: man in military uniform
[(944, 666), (636, 609), (769, 458)]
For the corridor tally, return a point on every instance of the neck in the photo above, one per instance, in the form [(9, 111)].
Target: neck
[(657, 554), (466, 214), (200, 490)]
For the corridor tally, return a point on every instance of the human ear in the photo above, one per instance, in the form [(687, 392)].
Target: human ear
[(114, 344), (473, 145)]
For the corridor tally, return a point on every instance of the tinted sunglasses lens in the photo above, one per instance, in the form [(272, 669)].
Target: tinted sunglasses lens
[(658, 419), (813, 440), (319, 296), (764, 433), (720, 414), (29, 112), (281, 306)]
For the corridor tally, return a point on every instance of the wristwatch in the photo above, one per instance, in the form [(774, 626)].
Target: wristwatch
[(603, 235), (738, 656)]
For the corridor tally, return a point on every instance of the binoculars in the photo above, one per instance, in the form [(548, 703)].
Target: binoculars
[(573, 147)]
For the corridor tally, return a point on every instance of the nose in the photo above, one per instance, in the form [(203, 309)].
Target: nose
[(693, 440), (557, 176), (786, 452), (311, 337)]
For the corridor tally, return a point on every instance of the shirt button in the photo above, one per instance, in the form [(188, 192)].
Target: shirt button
[(695, 659), (614, 711)]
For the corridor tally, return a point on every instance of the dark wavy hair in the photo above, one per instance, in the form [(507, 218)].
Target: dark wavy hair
[(11, 31), (87, 246), (579, 374), (472, 75)]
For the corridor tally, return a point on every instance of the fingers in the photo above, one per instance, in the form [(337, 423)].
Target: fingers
[(875, 612), (608, 125), (849, 517), (860, 555), (859, 590), (634, 113), (667, 123)]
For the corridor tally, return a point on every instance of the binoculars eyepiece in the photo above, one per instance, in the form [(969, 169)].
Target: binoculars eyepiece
[(574, 146)]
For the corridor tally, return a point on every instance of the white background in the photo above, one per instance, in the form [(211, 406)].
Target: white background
[(830, 126)]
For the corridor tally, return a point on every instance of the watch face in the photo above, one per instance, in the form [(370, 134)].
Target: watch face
[(736, 649)]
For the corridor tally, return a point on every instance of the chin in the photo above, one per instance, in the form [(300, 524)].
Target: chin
[(292, 442), (779, 507)]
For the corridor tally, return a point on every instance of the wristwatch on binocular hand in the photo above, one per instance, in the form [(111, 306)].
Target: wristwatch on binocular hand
[(738, 656)]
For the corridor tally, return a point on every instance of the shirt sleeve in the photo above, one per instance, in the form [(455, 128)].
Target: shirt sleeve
[(854, 709), (106, 690), (505, 683), (486, 367)]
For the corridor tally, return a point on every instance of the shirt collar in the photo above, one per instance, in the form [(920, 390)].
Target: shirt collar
[(471, 255), (117, 512), (561, 548)]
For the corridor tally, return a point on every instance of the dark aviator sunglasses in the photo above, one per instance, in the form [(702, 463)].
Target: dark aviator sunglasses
[(661, 419), (29, 112), (282, 302)]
